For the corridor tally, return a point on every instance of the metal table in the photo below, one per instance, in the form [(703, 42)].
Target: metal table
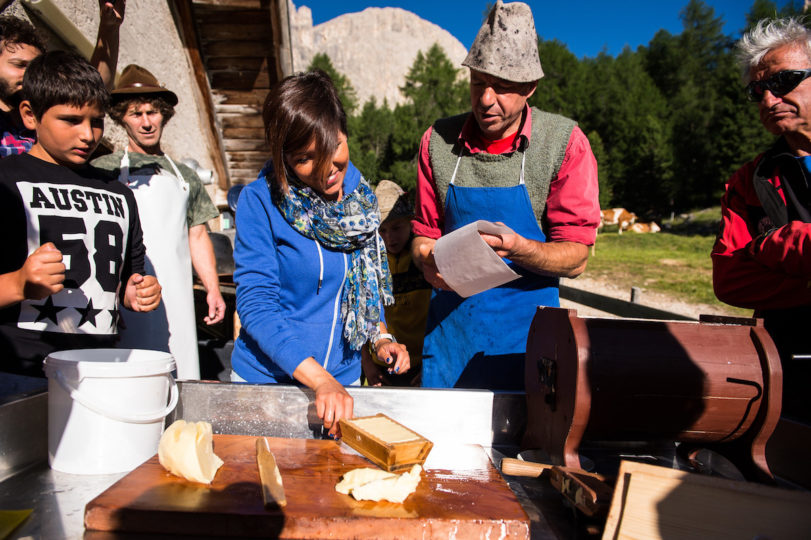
[(494, 420)]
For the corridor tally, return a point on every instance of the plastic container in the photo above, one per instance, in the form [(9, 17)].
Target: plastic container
[(106, 408)]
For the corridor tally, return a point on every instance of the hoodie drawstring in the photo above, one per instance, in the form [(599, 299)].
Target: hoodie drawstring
[(321, 270)]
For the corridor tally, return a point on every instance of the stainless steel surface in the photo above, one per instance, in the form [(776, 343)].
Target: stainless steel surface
[(459, 416), (58, 500), (23, 434)]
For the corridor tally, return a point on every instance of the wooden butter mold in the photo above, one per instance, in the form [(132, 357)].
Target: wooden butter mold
[(387, 443)]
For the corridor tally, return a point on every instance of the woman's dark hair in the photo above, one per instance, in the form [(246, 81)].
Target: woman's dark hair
[(120, 106), (14, 31), (300, 109), (63, 78)]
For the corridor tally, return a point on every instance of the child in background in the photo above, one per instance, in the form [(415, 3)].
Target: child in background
[(59, 215), (406, 317)]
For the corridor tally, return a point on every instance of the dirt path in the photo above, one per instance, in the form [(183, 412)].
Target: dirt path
[(648, 298)]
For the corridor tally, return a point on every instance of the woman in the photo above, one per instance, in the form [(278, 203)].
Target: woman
[(311, 271)]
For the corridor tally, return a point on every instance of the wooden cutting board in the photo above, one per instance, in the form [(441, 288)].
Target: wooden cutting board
[(463, 502)]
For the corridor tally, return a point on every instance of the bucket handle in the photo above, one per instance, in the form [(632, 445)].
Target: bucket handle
[(99, 409)]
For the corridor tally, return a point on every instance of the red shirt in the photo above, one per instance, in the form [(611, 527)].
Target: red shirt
[(753, 266), (572, 207)]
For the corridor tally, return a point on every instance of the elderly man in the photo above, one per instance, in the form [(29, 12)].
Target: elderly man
[(762, 258), (20, 44), (503, 162), (174, 207)]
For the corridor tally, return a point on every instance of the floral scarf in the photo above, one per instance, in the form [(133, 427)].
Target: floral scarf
[(349, 225)]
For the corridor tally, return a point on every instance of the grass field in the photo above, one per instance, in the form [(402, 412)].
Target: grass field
[(675, 261)]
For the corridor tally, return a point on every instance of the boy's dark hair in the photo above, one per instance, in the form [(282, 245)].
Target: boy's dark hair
[(63, 78), (300, 109), (14, 31), (120, 106)]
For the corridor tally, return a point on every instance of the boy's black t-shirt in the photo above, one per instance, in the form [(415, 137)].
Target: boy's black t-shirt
[(94, 222)]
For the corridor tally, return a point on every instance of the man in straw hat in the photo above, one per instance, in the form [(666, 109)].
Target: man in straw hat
[(405, 319), (174, 208), (502, 162)]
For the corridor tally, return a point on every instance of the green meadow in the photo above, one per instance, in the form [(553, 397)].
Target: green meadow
[(675, 261)]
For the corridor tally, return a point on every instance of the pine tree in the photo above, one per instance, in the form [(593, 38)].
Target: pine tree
[(433, 90), (562, 89), (346, 92), (370, 139)]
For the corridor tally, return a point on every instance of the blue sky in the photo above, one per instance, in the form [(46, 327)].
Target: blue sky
[(586, 26)]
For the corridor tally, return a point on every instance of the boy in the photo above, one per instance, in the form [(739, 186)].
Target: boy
[(54, 209), (406, 318)]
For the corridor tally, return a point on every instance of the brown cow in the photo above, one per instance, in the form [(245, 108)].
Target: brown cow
[(651, 227), (620, 217)]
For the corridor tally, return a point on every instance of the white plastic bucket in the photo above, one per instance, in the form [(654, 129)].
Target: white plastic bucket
[(106, 408)]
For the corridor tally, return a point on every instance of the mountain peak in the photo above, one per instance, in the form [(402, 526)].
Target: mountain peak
[(373, 48)]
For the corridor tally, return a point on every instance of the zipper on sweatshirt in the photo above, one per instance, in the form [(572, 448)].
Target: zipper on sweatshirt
[(336, 314)]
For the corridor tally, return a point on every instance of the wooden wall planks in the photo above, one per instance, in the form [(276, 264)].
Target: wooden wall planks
[(237, 47)]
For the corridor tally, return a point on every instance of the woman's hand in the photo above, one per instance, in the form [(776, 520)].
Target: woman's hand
[(332, 401), (394, 355)]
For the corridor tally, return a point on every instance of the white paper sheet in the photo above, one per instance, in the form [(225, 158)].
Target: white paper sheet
[(467, 263)]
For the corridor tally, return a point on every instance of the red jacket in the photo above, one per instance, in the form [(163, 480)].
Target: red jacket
[(758, 264)]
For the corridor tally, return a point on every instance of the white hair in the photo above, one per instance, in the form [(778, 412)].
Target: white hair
[(769, 34)]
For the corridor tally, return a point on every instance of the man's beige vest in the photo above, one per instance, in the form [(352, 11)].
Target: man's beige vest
[(545, 152)]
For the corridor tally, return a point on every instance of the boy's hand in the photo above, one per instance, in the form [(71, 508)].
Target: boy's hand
[(112, 13), (143, 293), (43, 272)]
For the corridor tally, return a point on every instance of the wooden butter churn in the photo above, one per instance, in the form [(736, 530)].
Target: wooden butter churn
[(706, 385)]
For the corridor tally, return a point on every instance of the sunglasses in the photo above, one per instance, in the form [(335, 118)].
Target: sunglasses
[(779, 84)]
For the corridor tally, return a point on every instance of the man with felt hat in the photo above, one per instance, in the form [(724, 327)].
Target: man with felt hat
[(174, 208), (502, 162)]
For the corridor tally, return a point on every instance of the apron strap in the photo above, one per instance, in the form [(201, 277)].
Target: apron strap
[(523, 162), (177, 171), (458, 160), (124, 174)]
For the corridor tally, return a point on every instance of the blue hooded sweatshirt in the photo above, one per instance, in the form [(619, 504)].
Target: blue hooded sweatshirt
[(286, 316)]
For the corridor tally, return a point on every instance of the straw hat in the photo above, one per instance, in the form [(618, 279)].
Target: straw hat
[(137, 80), (507, 45), (392, 201)]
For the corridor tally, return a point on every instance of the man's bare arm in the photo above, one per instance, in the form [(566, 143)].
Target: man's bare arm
[(205, 264), (105, 55), (562, 259)]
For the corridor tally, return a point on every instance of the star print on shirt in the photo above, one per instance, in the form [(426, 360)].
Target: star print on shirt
[(114, 315), (89, 313), (48, 311)]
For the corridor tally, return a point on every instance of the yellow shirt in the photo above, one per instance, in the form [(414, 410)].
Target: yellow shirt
[(406, 318)]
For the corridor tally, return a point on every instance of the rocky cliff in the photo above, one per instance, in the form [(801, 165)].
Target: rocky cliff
[(373, 48)]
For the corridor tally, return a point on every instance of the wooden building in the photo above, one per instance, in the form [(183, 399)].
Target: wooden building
[(219, 56)]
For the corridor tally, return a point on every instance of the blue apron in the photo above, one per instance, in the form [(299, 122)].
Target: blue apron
[(481, 341)]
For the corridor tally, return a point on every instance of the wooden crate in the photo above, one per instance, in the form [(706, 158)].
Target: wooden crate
[(387, 443), (657, 502)]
